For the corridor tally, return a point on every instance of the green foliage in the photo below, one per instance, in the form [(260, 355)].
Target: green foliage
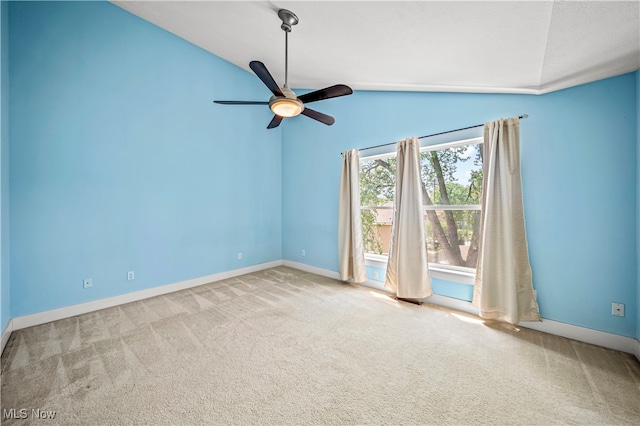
[(370, 235), (377, 182), (442, 165), (377, 188)]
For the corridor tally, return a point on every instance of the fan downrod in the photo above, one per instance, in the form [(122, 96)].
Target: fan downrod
[(288, 19)]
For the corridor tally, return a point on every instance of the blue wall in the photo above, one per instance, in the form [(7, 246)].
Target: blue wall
[(120, 161), (579, 181), (638, 197), (5, 291)]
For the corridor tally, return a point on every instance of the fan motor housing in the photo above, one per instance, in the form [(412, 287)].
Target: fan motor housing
[(286, 106)]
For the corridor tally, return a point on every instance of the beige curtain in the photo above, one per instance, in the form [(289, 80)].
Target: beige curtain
[(407, 269), (350, 244), (503, 285)]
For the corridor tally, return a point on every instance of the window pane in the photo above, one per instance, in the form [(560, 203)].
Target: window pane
[(376, 230), (377, 188), (377, 182), (452, 237), (452, 176)]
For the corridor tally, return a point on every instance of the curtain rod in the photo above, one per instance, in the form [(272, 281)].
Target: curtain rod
[(435, 134)]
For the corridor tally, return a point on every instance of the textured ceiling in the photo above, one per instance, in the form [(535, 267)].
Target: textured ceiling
[(461, 46)]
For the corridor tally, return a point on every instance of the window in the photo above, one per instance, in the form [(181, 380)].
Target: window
[(451, 190)]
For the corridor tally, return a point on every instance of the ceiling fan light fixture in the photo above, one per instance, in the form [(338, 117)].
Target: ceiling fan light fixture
[(285, 103), (286, 107)]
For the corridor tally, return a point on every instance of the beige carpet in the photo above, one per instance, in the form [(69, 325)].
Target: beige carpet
[(286, 347)]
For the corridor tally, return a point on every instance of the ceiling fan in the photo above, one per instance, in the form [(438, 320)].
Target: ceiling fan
[(284, 103)]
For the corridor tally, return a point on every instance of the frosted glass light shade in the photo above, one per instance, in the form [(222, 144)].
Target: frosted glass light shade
[(286, 107)]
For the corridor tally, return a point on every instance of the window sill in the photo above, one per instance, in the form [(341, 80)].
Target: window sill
[(458, 275)]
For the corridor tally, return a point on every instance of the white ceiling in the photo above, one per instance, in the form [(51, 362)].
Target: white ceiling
[(461, 46)]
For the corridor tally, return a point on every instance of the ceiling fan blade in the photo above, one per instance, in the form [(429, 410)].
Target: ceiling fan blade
[(241, 102), (263, 74), (323, 118), (326, 93), (275, 122)]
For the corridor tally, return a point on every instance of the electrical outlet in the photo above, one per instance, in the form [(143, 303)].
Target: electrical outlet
[(617, 309), (304, 253), (131, 275), (375, 274), (240, 256), (87, 283)]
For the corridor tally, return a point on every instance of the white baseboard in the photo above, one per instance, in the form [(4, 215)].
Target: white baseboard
[(6, 333), (95, 305), (312, 269), (436, 299), (600, 338), (449, 302), (582, 334)]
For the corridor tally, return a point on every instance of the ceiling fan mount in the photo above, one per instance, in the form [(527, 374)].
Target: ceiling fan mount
[(288, 19), (285, 103)]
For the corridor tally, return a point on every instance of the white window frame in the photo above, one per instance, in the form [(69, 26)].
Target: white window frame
[(452, 273)]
